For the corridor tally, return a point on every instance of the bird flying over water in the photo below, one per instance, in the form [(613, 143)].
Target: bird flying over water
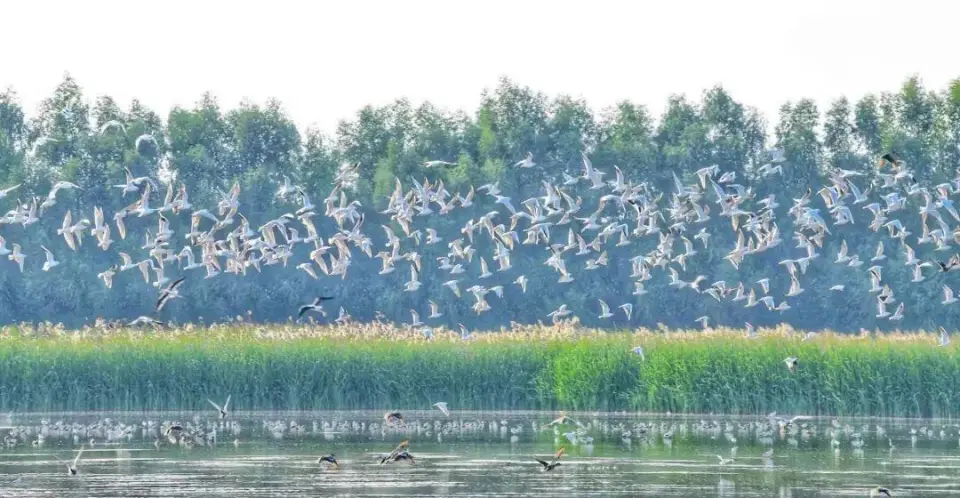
[(396, 451), (548, 466), (329, 459), (222, 411), (725, 461), (442, 406), (72, 467), (392, 418)]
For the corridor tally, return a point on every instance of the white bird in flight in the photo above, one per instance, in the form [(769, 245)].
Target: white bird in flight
[(222, 410), (442, 406), (50, 262), (72, 467)]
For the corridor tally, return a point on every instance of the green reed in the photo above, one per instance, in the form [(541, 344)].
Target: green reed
[(293, 367)]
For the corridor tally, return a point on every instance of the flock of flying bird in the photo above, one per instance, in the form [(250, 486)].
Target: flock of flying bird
[(625, 213)]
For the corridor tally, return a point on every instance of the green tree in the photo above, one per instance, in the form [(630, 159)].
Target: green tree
[(571, 129), (62, 124), (682, 137), (13, 137), (735, 134), (867, 123), (838, 137), (200, 147), (796, 132), (625, 138), (950, 111)]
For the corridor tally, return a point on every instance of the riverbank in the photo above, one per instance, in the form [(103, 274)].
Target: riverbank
[(378, 366)]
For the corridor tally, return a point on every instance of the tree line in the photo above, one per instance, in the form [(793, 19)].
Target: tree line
[(208, 148)]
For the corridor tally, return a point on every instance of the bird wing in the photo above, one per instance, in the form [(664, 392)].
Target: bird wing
[(176, 283), (161, 301), (225, 405), (545, 464), (214, 405)]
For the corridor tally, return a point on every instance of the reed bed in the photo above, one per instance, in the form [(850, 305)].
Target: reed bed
[(381, 366)]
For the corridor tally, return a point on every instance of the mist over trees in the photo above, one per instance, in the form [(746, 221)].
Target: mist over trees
[(207, 148)]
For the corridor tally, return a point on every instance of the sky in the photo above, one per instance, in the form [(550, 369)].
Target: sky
[(326, 60)]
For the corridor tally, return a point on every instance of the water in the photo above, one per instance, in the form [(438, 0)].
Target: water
[(475, 454)]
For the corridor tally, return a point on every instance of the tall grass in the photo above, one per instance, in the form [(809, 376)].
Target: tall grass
[(567, 367)]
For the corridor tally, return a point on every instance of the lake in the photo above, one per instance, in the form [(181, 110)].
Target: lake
[(474, 454)]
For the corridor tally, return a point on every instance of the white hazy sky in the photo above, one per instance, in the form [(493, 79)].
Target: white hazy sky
[(325, 60)]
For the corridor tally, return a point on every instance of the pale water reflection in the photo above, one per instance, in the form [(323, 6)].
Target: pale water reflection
[(475, 454)]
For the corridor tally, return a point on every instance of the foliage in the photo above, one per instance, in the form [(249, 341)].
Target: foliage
[(379, 366)]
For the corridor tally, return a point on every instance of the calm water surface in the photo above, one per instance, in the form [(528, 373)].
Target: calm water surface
[(474, 454)]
